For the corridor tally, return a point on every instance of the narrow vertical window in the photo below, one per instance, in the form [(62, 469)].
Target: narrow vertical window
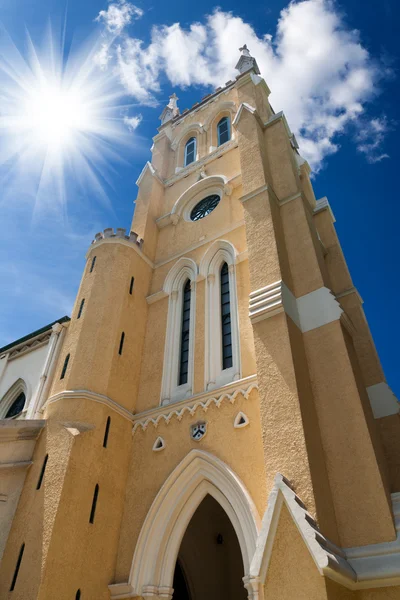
[(65, 366), (190, 151), (121, 343), (224, 131), (131, 285), (185, 331), (94, 503), (17, 566), (78, 595), (226, 332), (106, 432), (39, 483), (81, 308), (93, 263)]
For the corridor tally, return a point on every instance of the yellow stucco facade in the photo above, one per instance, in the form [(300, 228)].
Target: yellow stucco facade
[(193, 447)]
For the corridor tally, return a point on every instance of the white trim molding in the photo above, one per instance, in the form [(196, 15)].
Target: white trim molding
[(364, 567), (329, 559), (323, 204), (318, 308), (383, 402), (171, 391), (220, 252), (199, 474), (213, 184), (241, 420), (272, 300), (308, 312), (229, 393), (94, 397), (17, 388)]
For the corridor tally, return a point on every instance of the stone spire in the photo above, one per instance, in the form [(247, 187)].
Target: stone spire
[(246, 61), (171, 110)]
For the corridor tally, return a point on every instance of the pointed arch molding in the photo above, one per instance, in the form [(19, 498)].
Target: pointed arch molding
[(183, 269), (214, 184), (199, 474), (220, 252), (12, 394)]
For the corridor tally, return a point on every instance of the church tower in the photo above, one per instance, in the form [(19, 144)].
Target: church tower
[(218, 424)]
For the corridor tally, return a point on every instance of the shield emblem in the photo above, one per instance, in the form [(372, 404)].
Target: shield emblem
[(198, 430)]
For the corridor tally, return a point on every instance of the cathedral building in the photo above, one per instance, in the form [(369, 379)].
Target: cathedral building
[(212, 422)]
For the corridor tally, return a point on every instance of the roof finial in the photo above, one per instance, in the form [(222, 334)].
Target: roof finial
[(246, 61), (171, 110), (244, 50)]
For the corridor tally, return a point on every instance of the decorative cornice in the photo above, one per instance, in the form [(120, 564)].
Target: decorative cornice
[(32, 344), (308, 312), (271, 300), (94, 397), (166, 413), (323, 204)]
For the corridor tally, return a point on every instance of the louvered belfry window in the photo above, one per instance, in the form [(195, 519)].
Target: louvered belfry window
[(184, 350), (226, 332)]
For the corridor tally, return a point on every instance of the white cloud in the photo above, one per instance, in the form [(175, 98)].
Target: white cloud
[(118, 15), (370, 139), (319, 72), (133, 122)]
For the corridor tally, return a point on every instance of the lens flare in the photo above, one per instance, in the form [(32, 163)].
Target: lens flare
[(61, 121)]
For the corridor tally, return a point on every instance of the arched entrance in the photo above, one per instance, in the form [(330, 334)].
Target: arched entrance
[(209, 564), (178, 507)]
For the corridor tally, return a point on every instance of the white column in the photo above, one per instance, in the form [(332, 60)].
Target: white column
[(253, 587), (55, 343)]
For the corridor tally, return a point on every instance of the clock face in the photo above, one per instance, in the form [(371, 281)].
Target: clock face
[(204, 207)]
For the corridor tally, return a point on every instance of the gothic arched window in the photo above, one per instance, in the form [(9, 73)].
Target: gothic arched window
[(226, 331), (222, 339), (180, 285), (224, 131), (190, 151), (185, 333), (16, 407)]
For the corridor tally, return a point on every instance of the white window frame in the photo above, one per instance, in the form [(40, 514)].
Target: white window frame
[(194, 139), (11, 395), (220, 252), (184, 269)]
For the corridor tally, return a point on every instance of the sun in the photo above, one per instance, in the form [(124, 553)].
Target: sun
[(54, 115), (62, 120)]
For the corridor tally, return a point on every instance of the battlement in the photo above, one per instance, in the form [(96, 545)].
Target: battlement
[(119, 233)]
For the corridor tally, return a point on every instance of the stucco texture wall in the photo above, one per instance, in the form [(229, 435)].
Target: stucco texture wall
[(292, 572), (240, 449)]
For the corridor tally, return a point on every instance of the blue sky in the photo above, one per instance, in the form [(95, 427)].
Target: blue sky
[(331, 68)]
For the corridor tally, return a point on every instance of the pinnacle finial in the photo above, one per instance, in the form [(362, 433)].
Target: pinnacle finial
[(171, 110), (244, 50), (246, 61)]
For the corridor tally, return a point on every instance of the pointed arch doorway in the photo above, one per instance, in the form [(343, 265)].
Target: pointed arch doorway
[(202, 492), (209, 564)]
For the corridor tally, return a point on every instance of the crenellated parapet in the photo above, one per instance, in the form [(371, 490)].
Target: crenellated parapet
[(120, 233)]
